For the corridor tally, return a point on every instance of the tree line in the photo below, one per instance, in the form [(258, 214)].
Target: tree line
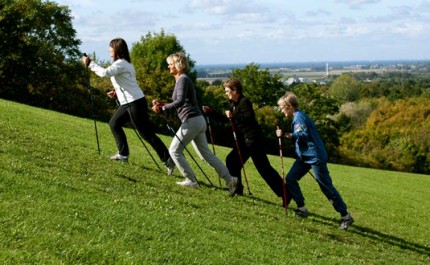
[(382, 124)]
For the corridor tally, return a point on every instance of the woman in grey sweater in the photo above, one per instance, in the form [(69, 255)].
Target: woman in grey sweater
[(193, 127)]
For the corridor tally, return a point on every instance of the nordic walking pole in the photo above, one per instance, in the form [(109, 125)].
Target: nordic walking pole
[(283, 172), (212, 141), (92, 107), (210, 134), (143, 143), (240, 155), (183, 145)]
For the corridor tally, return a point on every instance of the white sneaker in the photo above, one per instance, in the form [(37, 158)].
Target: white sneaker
[(188, 183), (232, 185), (119, 157)]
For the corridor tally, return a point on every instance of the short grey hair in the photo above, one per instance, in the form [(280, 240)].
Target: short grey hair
[(288, 99)]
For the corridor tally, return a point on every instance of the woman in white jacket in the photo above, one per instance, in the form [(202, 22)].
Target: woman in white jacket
[(133, 105)]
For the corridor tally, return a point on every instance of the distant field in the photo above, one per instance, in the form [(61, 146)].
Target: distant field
[(313, 75)]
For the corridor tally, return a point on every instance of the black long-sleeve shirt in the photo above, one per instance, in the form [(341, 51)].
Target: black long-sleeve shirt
[(245, 123), (244, 120)]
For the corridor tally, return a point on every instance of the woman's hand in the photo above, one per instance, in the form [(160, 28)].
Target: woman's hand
[(156, 108), (111, 94), (86, 60), (206, 109)]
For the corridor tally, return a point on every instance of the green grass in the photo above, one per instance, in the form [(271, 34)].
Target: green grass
[(63, 203)]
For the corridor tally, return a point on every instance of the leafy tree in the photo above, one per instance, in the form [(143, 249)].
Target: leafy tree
[(149, 58), (38, 55), (260, 87), (345, 88), (315, 101), (396, 136)]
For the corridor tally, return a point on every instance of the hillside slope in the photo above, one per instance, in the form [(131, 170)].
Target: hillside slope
[(62, 202)]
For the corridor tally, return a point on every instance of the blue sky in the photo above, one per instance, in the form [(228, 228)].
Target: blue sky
[(269, 31)]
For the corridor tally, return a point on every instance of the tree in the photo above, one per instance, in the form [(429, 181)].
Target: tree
[(38, 55), (315, 101), (149, 59), (396, 136), (345, 88), (260, 87)]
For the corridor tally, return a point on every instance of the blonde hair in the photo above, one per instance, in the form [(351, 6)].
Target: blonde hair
[(288, 99), (179, 60)]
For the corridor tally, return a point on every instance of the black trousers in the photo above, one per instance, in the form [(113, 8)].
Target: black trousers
[(255, 150), (136, 113)]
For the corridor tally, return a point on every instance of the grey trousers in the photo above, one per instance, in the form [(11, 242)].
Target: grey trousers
[(193, 130)]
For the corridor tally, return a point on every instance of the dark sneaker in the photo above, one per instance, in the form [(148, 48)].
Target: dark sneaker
[(232, 185), (302, 212), (119, 157), (170, 166), (346, 222), (239, 190)]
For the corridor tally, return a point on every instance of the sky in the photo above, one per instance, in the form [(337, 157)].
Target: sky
[(262, 31)]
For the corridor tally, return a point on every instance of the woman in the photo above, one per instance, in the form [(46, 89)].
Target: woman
[(311, 153), (250, 139), (193, 126), (133, 105)]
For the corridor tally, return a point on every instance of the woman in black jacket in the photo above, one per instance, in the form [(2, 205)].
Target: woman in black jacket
[(250, 139)]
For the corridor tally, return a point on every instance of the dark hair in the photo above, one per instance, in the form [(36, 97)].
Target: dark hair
[(121, 49), (234, 84)]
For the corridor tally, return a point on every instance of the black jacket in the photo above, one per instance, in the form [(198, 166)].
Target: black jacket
[(246, 125)]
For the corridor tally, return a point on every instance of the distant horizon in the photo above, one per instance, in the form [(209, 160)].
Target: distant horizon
[(333, 62)]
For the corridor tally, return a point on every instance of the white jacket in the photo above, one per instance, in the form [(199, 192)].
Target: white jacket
[(123, 78)]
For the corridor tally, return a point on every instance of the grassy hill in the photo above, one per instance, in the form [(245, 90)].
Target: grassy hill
[(63, 203)]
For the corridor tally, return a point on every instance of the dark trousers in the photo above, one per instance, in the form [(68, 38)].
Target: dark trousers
[(256, 151), (322, 175), (136, 112)]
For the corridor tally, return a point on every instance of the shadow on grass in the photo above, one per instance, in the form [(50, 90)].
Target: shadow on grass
[(127, 178), (374, 235), (360, 230)]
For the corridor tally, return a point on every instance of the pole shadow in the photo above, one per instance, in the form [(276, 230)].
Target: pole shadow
[(374, 235)]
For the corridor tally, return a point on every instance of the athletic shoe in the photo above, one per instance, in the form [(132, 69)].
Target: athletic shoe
[(302, 212), (119, 157), (232, 185), (188, 183), (239, 190), (170, 166), (346, 222)]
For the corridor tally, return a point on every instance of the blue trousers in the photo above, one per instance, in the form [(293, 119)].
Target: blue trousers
[(322, 176)]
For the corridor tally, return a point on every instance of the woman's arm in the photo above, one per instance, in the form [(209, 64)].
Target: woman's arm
[(112, 70)]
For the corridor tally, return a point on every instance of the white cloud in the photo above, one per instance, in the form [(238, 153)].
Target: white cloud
[(228, 31), (359, 3)]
